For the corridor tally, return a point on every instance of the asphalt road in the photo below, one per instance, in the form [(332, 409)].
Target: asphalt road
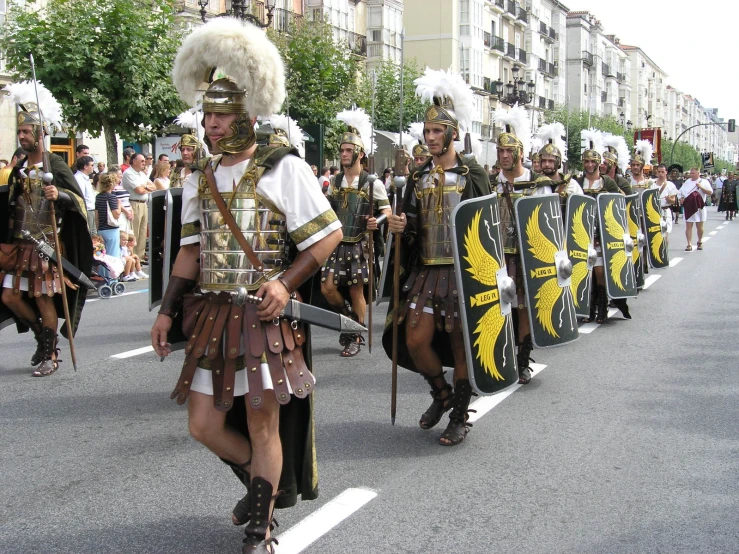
[(627, 441)]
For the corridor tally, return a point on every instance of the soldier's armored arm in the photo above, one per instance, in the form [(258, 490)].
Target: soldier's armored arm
[(183, 279)]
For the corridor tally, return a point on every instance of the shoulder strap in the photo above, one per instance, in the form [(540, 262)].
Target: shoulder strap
[(229, 219)]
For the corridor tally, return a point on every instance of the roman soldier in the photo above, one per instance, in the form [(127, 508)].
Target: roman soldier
[(357, 198), (616, 161), (675, 172), (255, 229), (420, 151), (190, 147), (641, 158), (551, 158), (429, 329), (41, 187), (593, 183)]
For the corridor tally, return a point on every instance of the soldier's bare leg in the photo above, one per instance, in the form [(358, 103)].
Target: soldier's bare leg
[(208, 426), (359, 302), (48, 311), (419, 340), (331, 293), (18, 305)]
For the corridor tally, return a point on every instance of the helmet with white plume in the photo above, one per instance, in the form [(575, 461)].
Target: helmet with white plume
[(643, 151), (190, 120), (286, 132), (553, 144), (420, 150), (358, 131), (46, 112), (452, 102), (233, 68), (616, 152), (517, 133), (592, 141)]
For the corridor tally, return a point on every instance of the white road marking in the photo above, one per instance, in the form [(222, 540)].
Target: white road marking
[(713, 232), (706, 239), (118, 295), (675, 261), (487, 403), (306, 532), (649, 281), (131, 353), (587, 328)]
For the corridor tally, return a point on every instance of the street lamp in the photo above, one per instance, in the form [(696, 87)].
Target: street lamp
[(515, 92), (238, 9), (623, 121)]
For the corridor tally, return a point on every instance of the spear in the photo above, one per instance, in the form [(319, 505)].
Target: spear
[(48, 178)]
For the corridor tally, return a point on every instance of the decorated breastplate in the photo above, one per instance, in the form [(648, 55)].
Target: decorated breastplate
[(507, 219), (436, 200), (32, 210), (352, 207), (645, 184), (223, 264)]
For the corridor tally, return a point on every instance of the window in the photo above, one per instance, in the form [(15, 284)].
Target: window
[(464, 17), (375, 17)]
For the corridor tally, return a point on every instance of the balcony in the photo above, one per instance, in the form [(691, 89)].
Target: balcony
[(542, 103), (553, 70), (522, 15), (587, 58), (357, 44), (285, 21), (607, 71), (521, 55), (621, 102), (550, 104), (621, 76), (510, 51), (542, 66), (547, 32), (510, 9), (500, 4), (542, 28), (552, 35)]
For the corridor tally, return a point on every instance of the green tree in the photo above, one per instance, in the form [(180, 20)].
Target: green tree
[(107, 62), (321, 76), (387, 95), (680, 153), (577, 120)]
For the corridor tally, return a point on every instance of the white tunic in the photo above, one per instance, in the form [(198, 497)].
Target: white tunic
[(688, 187)]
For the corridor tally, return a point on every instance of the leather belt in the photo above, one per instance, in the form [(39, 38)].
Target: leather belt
[(139, 201)]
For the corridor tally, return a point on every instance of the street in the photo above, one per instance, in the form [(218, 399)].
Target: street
[(626, 441)]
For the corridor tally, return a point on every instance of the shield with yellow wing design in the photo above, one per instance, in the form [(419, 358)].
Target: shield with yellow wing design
[(582, 213), (655, 228), (485, 295), (617, 246), (633, 213), (547, 270)]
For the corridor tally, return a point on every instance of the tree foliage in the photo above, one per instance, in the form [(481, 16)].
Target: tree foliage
[(321, 75), (387, 95), (107, 62), (577, 120)]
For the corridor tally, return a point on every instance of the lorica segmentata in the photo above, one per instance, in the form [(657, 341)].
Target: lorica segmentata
[(33, 211), (352, 207), (435, 205)]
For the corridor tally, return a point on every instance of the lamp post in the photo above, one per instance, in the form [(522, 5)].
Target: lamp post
[(238, 9), (626, 124), (517, 91)]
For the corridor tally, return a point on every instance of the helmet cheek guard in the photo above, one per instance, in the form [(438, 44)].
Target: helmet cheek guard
[(448, 138)]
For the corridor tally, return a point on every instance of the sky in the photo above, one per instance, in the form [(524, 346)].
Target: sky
[(695, 42)]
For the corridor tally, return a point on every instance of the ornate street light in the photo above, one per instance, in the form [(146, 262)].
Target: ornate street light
[(517, 91), (623, 121), (238, 9)]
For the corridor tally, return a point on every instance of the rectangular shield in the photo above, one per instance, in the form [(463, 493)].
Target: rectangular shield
[(617, 246), (157, 226), (633, 213), (4, 214), (655, 229), (485, 295), (547, 270), (173, 231), (582, 213)]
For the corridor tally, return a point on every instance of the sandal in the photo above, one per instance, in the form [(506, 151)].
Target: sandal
[(46, 368), (700, 246), (688, 248), (440, 405), (459, 425), (352, 346)]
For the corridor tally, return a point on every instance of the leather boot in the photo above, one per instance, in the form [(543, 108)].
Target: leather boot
[(36, 328), (602, 304), (623, 307), (241, 512), (458, 427), (441, 403), (256, 541), (48, 364), (524, 360)]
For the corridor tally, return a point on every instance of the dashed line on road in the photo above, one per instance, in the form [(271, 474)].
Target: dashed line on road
[(649, 281), (706, 239), (132, 353), (487, 403), (713, 233), (119, 295), (309, 530), (590, 326), (675, 261)]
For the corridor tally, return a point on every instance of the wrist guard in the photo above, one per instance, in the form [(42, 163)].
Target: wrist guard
[(171, 304), (303, 267)]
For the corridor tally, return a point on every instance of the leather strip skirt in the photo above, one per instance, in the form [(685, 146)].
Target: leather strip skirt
[(348, 265), (241, 352), (432, 289), (32, 273)]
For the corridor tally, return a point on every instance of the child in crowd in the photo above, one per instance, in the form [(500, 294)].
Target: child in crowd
[(113, 265), (133, 263)]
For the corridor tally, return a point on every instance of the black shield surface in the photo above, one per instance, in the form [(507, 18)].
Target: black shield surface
[(157, 227), (617, 246), (487, 326), (633, 213), (655, 229), (546, 270), (173, 231), (582, 213)]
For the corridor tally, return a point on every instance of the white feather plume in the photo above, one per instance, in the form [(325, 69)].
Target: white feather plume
[(416, 131), (594, 136), (447, 84), (622, 150), (409, 140), (645, 149), (536, 144), (292, 130), (476, 146), (25, 93), (360, 120), (517, 118), (240, 50), (554, 132), (190, 119)]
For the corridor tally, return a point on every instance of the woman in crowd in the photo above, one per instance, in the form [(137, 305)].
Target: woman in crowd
[(124, 221), (161, 175), (107, 204)]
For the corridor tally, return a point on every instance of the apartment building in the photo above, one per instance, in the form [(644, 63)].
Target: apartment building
[(648, 86)]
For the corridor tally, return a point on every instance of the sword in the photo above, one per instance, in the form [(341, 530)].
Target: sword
[(48, 179), (44, 249), (299, 311)]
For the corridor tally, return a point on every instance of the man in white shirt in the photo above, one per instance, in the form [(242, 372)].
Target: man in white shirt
[(85, 166), (692, 197), (136, 182), (667, 195)]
